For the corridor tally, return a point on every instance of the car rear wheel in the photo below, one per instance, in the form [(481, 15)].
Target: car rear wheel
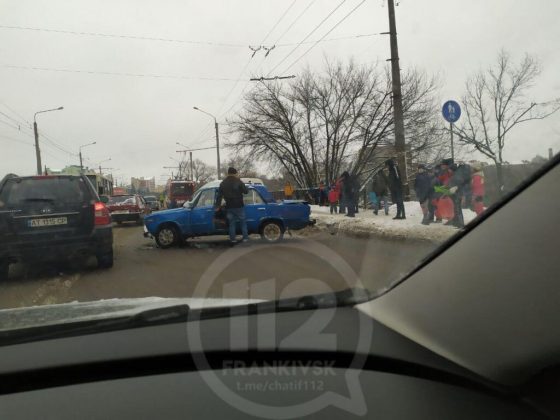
[(272, 231), (105, 260), (167, 236), (4, 269)]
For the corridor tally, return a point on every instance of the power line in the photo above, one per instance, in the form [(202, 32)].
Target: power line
[(16, 113), (278, 21), (134, 37), (249, 62), (294, 22), (16, 140), (146, 38), (107, 73), (332, 29), (307, 36), (330, 39)]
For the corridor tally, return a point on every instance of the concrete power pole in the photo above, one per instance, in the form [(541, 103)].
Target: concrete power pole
[(400, 144), (191, 164), (37, 150)]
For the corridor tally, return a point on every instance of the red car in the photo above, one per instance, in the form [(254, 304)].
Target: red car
[(128, 208)]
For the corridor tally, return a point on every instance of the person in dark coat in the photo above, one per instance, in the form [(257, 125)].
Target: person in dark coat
[(460, 180), (423, 188), (379, 187), (348, 186), (394, 181), (232, 190), (355, 191)]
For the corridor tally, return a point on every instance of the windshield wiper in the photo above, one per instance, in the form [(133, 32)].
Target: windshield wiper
[(39, 199), (346, 297), (149, 317)]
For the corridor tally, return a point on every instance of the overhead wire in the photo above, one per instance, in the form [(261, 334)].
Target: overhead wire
[(296, 20), (121, 74), (307, 36), (332, 29), (147, 38), (134, 37)]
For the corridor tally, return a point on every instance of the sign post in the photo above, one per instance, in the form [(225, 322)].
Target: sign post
[(451, 113)]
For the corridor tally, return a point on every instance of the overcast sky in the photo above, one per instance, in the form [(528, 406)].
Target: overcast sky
[(137, 120)]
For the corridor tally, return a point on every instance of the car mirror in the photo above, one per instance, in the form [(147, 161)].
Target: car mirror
[(188, 204), (104, 199)]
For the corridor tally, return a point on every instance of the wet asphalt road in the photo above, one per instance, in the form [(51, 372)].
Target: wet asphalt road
[(308, 262)]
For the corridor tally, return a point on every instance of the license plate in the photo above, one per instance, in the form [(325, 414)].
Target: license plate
[(120, 212), (51, 221)]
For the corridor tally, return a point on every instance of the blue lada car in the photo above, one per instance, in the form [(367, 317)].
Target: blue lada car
[(199, 217)]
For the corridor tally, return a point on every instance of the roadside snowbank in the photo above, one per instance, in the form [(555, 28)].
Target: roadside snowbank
[(367, 224)]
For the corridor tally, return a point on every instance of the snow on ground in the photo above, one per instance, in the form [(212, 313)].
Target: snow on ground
[(368, 224)]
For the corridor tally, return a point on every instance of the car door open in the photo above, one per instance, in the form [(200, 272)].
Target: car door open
[(202, 215)]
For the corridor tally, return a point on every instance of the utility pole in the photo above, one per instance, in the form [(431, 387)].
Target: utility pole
[(400, 144), (217, 147), (217, 137), (36, 132), (37, 150), (191, 164)]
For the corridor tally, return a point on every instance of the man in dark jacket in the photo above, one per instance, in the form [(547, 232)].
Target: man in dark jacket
[(423, 188), (232, 190), (396, 187), (379, 187), (457, 184), (348, 186)]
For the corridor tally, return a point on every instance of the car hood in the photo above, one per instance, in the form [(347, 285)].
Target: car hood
[(171, 211), (17, 318)]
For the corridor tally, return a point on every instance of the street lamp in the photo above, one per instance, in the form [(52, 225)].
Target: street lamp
[(36, 131), (217, 137), (81, 147)]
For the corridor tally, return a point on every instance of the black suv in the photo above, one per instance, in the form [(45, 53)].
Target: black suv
[(51, 218)]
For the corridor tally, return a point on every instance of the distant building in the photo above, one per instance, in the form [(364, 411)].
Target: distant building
[(142, 185)]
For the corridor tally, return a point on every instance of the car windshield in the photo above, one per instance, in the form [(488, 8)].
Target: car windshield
[(122, 199), (20, 192), (373, 134), (181, 189)]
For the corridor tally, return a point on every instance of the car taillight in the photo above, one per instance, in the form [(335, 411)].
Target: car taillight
[(102, 215)]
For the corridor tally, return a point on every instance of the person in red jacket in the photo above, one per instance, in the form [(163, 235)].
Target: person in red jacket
[(477, 188), (333, 199)]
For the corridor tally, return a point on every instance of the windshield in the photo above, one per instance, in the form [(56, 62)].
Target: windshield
[(122, 199), (181, 189), (369, 143), (21, 192)]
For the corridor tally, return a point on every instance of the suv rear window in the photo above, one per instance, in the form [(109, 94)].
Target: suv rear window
[(122, 199), (19, 191), (181, 189)]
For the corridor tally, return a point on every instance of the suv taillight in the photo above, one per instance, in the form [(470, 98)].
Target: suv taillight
[(102, 215)]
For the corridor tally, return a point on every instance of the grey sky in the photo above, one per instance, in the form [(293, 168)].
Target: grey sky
[(137, 120)]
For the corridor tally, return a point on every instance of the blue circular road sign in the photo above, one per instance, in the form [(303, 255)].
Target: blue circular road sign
[(451, 111)]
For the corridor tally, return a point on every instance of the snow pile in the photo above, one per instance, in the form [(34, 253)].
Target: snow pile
[(368, 224)]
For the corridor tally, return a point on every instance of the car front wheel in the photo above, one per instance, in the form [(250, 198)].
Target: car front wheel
[(167, 236), (272, 231)]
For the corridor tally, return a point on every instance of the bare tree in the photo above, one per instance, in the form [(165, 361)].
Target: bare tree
[(495, 102), (321, 124), (244, 164), (202, 172)]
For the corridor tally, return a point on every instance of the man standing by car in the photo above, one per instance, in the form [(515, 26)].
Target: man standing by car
[(395, 183), (232, 190)]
